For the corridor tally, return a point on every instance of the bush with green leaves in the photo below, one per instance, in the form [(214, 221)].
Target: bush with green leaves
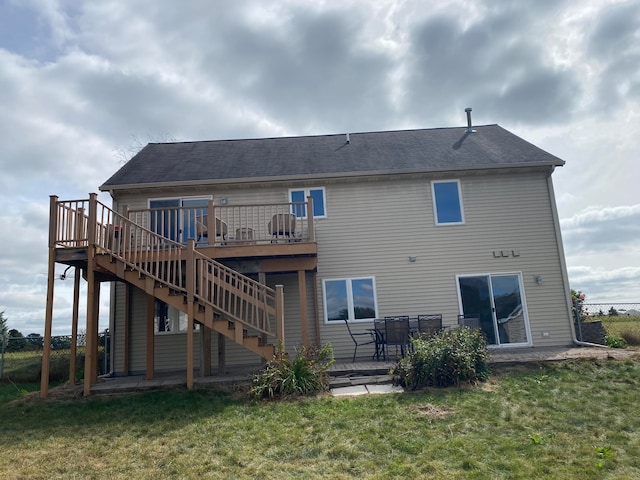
[(446, 358), (615, 342), (306, 374)]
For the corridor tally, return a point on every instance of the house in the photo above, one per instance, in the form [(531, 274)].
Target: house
[(220, 250)]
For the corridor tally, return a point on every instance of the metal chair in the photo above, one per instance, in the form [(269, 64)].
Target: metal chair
[(429, 324), (379, 332), (283, 225), (396, 332), (356, 339), (469, 320), (202, 227)]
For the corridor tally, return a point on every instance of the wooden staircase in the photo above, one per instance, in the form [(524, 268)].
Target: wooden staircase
[(224, 300)]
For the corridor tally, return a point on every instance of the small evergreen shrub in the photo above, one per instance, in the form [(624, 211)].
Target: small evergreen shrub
[(447, 358), (306, 374)]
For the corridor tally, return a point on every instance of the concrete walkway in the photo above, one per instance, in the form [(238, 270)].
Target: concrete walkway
[(362, 377)]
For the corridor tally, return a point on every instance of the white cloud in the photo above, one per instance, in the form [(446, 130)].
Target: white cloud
[(79, 78)]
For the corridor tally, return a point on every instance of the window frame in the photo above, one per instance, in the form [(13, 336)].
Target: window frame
[(435, 202), (174, 320), (350, 305), (306, 192)]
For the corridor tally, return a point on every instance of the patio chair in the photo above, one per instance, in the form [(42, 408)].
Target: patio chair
[(202, 228), (360, 339), (283, 225), (469, 320), (378, 331), (429, 324), (396, 332)]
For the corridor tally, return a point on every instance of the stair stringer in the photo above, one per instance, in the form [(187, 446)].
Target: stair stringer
[(206, 314)]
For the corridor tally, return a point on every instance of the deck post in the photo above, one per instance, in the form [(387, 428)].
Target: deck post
[(46, 352), (316, 310), (280, 315), (211, 223), (310, 224), (95, 319), (89, 363), (73, 350), (151, 307), (127, 323), (304, 321), (190, 284), (91, 342)]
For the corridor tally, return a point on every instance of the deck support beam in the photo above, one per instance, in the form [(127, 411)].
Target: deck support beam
[(280, 316), (91, 341), (151, 307), (304, 320), (127, 328), (51, 273), (190, 284), (316, 310), (73, 349)]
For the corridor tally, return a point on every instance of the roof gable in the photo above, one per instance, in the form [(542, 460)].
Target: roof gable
[(424, 150)]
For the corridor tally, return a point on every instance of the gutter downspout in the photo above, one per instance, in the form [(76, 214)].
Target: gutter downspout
[(563, 265)]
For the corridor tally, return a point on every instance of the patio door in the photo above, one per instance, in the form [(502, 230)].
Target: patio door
[(175, 218), (498, 300)]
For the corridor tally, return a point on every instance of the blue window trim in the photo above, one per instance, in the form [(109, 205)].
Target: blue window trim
[(458, 210)]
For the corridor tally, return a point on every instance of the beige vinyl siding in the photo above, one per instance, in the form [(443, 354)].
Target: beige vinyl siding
[(375, 227)]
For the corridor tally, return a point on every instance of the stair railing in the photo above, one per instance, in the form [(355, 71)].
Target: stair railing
[(159, 258)]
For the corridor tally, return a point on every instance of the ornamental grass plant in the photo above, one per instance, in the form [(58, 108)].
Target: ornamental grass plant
[(303, 375)]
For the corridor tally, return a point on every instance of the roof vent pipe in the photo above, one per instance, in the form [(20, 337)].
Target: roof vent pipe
[(348, 140), (468, 110)]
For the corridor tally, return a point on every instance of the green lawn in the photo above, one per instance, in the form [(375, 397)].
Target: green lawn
[(571, 420), (624, 327)]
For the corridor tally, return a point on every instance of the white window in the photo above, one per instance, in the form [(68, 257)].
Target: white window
[(300, 195), (447, 202), (349, 299)]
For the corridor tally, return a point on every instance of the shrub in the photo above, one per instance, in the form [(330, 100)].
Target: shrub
[(447, 358), (306, 374), (615, 342)]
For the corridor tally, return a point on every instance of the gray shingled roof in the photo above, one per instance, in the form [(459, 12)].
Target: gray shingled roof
[(439, 149)]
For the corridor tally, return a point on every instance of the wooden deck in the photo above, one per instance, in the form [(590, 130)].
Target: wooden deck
[(154, 250)]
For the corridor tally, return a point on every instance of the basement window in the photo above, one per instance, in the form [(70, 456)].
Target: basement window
[(168, 320)]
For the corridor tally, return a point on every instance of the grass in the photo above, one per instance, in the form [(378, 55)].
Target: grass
[(623, 327), (572, 420)]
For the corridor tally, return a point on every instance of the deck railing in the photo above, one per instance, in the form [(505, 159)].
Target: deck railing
[(78, 223), (231, 224)]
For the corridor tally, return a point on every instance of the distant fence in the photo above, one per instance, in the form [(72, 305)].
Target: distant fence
[(21, 357), (589, 329), (611, 309)]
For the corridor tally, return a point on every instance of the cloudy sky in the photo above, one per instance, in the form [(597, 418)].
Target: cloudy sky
[(83, 83)]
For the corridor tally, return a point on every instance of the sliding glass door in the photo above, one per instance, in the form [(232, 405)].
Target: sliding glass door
[(175, 218), (498, 300)]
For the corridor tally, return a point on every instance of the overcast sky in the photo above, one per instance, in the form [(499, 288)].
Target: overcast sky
[(84, 82)]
